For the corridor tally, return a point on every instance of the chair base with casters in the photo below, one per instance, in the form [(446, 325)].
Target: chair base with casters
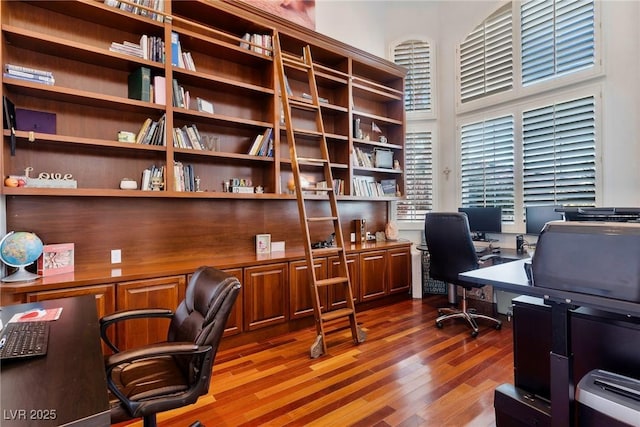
[(465, 313)]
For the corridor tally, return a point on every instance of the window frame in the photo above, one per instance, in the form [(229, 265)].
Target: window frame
[(534, 89), (420, 121), (517, 109)]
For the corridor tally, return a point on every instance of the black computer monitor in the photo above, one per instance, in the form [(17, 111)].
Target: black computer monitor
[(483, 220), (537, 216)]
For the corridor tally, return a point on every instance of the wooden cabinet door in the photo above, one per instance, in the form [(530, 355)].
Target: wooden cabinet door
[(234, 323), (373, 267), (105, 301), (265, 295), (337, 297), (399, 271), (300, 296), (162, 292)]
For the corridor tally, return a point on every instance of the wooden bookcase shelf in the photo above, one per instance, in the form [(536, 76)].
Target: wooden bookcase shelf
[(72, 40)]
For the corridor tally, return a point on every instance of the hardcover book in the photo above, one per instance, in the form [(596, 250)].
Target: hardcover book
[(140, 84)]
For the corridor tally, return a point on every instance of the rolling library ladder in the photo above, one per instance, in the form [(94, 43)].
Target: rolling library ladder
[(312, 105)]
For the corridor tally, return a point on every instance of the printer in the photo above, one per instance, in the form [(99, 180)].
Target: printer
[(599, 258)]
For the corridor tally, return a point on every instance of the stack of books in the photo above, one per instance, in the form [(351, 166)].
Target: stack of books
[(30, 74), (152, 132), (148, 10), (362, 158), (149, 47), (262, 144), (367, 186), (187, 137), (153, 174), (179, 58), (181, 97), (259, 43), (184, 177)]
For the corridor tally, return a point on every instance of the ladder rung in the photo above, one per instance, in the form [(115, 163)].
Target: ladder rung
[(310, 160), (332, 281), (326, 251), (336, 314), (308, 133), (303, 105), (294, 61), (322, 218)]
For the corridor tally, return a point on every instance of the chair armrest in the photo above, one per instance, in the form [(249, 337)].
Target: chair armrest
[(120, 316), (154, 350)]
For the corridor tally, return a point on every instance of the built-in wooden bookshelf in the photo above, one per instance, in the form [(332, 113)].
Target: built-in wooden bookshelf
[(163, 235), (89, 99)]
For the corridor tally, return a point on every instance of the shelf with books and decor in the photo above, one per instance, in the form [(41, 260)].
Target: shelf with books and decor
[(91, 87), (190, 204)]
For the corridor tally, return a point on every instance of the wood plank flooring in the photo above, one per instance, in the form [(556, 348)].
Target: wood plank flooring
[(407, 373)]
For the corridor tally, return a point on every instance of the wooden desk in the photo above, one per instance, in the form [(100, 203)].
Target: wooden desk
[(512, 277), (67, 386)]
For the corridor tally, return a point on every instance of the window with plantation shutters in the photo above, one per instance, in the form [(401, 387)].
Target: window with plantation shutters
[(418, 177), (487, 164), (558, 37), (415, 55), (559, 154), (486, 57)]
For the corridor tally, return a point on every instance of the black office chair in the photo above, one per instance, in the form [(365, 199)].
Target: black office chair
[(172, 374), (452, 252)]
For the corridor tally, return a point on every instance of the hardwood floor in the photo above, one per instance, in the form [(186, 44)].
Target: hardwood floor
[(407, 373)]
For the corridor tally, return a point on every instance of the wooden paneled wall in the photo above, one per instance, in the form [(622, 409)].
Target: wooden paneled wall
[(158, 229)]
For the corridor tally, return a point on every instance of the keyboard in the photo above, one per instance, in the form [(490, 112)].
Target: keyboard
[(24, 339)]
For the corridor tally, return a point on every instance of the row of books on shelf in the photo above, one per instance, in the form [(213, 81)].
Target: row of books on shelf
[(259, 43), (187, 137), (143, 87), (156, 5), (262, 144), (367, 186), (181, 97), (29, 74), (185, 178), (180, 58), (363, 159), (152, 178), (148, 47), (152, 132), (338, 187)]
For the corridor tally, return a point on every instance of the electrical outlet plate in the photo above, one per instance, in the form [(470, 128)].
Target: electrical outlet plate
[(116, 256)]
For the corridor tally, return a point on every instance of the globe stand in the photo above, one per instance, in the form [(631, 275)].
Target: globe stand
[(21, 275)]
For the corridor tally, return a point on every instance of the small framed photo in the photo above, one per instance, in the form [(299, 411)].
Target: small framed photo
[(56, 259), (263, 243)]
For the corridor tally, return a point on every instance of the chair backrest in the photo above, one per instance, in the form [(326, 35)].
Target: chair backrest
[(201, 317), (450, 247)]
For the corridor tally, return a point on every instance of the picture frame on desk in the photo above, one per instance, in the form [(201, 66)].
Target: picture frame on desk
[(263, 243), (56, 259)]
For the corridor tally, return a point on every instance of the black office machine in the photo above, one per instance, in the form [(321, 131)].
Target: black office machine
[(592, 257)]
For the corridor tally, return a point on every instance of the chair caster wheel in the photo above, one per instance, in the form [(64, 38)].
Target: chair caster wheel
[(474, 334), (498, 326), (439, 325)]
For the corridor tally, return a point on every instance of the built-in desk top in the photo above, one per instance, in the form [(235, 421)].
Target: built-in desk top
[(511, 277), (68, 386)]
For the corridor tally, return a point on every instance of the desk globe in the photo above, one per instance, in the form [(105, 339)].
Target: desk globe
[(20, 249)]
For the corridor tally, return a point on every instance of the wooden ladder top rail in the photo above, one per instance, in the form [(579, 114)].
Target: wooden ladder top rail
[(289, 103)]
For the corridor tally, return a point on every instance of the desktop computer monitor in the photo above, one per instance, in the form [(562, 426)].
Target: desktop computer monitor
[(483, 220), (537, 216)]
